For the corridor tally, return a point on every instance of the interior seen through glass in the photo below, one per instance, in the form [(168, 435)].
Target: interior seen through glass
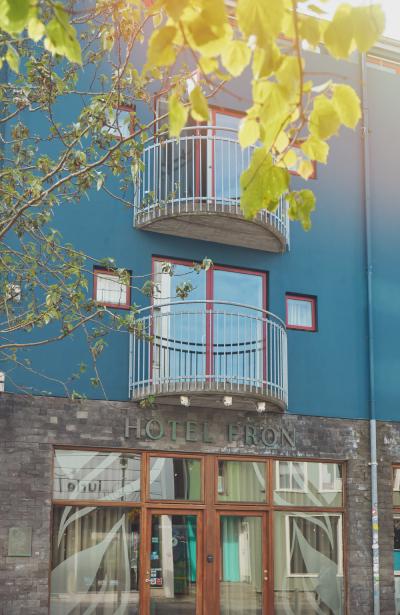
[(97, 545)]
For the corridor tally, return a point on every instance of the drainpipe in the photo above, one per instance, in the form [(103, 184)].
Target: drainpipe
[(371, 356)]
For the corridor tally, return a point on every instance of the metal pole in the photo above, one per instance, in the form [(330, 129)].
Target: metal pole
[(371, 355)]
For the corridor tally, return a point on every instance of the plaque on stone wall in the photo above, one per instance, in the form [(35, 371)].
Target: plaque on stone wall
[(20, 542)]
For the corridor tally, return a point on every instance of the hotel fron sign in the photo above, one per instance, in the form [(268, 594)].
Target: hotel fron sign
[(249, 433)]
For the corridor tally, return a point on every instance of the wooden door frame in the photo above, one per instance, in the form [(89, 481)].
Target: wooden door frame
[(145, 586)]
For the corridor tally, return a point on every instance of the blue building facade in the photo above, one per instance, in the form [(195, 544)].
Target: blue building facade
[(227, 469)]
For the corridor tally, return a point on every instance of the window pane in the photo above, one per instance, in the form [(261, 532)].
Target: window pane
[(175, 479), (300, 483), (396, 486), (109, 289), (299, 313), (308, 564), (396, 561), (241, 576), (95, 560), (241, 481), (91, 475), (173, 557)]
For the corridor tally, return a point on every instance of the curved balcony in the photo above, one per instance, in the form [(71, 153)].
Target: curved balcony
[(190, 187), (214, 353)]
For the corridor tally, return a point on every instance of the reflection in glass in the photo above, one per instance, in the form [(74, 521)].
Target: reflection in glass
[(95, 561), (241, 481), (396, 562), (301, 483), (396, 486), (179, 330), (91, 475), (308, 564), (238, 332), (175, 478), (173, 565), (229, 160), (241, 576)]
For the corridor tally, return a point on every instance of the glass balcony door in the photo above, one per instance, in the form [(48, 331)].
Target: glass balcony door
[(242, 564), (173, 581), (213, 335)]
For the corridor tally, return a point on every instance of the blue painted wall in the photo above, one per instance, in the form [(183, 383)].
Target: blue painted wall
[(328, 369)]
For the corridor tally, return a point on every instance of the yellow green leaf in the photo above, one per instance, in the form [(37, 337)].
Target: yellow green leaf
[(161, 51), (262, 18), (61, 37), (290, 159), (174, 8), (347, 104), (178, 115), (324, 119), (249, 132), (199, 102), (266, 60), (15, 14), (36, 29), (235, 57), (369, 24), (12, 58), (338, 35), (262, 184), (301, 204), (316, 149), (208, 65), (305, 169), (310, 30)]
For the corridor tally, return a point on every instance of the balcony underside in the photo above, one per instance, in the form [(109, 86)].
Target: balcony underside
[(210, 395), (221, 224)]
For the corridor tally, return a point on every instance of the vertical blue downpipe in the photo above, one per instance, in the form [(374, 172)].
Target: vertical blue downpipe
[(371, 355)]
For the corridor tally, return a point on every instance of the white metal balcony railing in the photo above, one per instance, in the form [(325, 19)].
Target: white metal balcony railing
[(215, 346), (199, 172)]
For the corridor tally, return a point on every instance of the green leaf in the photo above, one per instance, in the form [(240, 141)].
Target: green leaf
[(174, 8), (301, 205), (262, 18), (178, 115), (61, 37), (36, 29), (199, 102), (310, 30), (266, 60), (161, 51), (235, 57), (347, 104), (12, 58), (338, 36), (316, 149), (14, 14), (324, 119), (249, 132), (262, 184), (369, 24)]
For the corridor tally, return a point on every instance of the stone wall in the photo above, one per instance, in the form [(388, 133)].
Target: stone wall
[(30, 426)]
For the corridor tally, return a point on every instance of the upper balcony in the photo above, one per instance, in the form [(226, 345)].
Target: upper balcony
[(213, 353), (190, 187)]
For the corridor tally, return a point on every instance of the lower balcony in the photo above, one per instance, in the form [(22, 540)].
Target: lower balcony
[(190, 187), (212, 354)]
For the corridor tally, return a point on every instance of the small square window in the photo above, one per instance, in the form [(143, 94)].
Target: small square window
[(109, 290), (301, 312)]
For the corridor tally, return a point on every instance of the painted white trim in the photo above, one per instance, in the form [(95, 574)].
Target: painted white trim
[(339, 539), (338, 481), (290, 489)]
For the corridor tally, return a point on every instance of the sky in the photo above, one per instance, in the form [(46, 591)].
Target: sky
[(391, 8)]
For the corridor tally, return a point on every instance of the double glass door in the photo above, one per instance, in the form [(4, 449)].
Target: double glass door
[(196, 565)]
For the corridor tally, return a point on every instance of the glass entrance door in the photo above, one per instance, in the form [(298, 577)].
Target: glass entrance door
[(242, 573), (173, 578)]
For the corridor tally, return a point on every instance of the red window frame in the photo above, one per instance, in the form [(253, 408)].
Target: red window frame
[(209, 298), (110, 272), (309, 299)]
